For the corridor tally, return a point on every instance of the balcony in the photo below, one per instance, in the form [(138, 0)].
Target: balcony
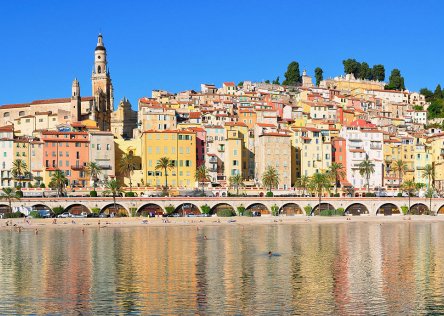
[(221, 149), (376, 146), (76, 167), (105, 167), (420, 167), (213, 159), (211, 169)]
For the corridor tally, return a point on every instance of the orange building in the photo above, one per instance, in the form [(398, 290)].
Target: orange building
[(68, 152)]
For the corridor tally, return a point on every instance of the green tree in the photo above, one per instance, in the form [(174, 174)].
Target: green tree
[(202, 175), (319, 75), (236, 181), (240, 84), (165, 164), (400, 167), (276, 81), (378, 72), (438, 92), (427, 94), (319, 183), (366, 169), (112, 187), (303, 183), (365, 71), (429, 173), (351, 66), (58, 182), (9, 194), (127, 165), (19, 170), (270, 178), (396, 81), (429, 194), (336, 172), (267, 81), (94, 171), (436, 109), (293, 74)]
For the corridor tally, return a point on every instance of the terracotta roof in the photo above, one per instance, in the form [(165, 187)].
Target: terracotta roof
[(14, 106), (229, 84)]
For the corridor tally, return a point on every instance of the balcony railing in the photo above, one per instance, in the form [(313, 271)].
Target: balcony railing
[(105, 167), (376, 146), (221, 149), (213, 160), (75, 167)]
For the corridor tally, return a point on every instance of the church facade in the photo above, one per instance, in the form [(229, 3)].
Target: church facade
[(29, 119)]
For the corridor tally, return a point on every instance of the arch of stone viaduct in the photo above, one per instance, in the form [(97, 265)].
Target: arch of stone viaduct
[(372, 204)]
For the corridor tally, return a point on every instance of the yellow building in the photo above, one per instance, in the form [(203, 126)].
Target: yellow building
[(234, 163), (179, 147), (312, 151), (436, 143), (243, 143), (133, 147)]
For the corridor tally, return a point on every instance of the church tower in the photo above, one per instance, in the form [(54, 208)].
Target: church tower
[(102, 88), (76, 103)]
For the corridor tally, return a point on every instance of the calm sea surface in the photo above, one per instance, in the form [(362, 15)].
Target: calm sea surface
[(346, 269)]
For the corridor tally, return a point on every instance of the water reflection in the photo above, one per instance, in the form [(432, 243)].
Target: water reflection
[(350, 268)]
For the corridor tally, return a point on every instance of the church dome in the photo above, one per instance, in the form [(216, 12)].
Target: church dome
[(100, 48)]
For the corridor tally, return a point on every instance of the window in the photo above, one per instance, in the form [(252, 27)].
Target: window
[(99, 146), (187, 163), (40, 120), (108, 147), (6, 114)]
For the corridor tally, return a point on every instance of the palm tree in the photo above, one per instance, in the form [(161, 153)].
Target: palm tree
[(270, 178), (366, 168), (94, 171), (429, 173), (400, 167), (202, 176), (236, 181), (410, 187), (165, 164), (318, 183), (58, 182), (127, 165), (112, 187), (302, 183), (336, 171), (9, 194), (19, 169)]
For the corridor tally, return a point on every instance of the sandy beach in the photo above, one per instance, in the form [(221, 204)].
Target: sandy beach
[(86, 223)]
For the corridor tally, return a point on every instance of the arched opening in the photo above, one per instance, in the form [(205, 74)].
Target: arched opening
[(77, 209), (22, 113), (99, 69), (258, 207), (323, 207), (187, 208), (222, 207), (150, 208), (114, 210), (388, 209), (44, 211), (356, 209), (441, 210), (3, 210), (419, 209), (291, 209)]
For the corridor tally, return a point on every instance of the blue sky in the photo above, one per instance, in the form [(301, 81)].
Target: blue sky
[(176, 45)]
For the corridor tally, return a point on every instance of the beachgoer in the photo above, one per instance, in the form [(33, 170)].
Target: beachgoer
[(36, 231), (270, 253), (205, 237)]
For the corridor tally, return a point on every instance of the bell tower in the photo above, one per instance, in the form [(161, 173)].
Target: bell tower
[(76, 103), (102, 88)]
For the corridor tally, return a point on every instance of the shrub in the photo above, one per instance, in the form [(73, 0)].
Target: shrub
[(226, 212), (275, 210), (14, 215), (133, 211), (42, 185), (170, 209), (58, 210), (95, 210), (34, 214), (130, 194), (369, 194), (399, 194), (404, 209), (248, 213), (332, 212), (336, 195), (205, 209), (308, 209), (340, 211), (269, 194), (241, 210), (19, 194), (93, 193)]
